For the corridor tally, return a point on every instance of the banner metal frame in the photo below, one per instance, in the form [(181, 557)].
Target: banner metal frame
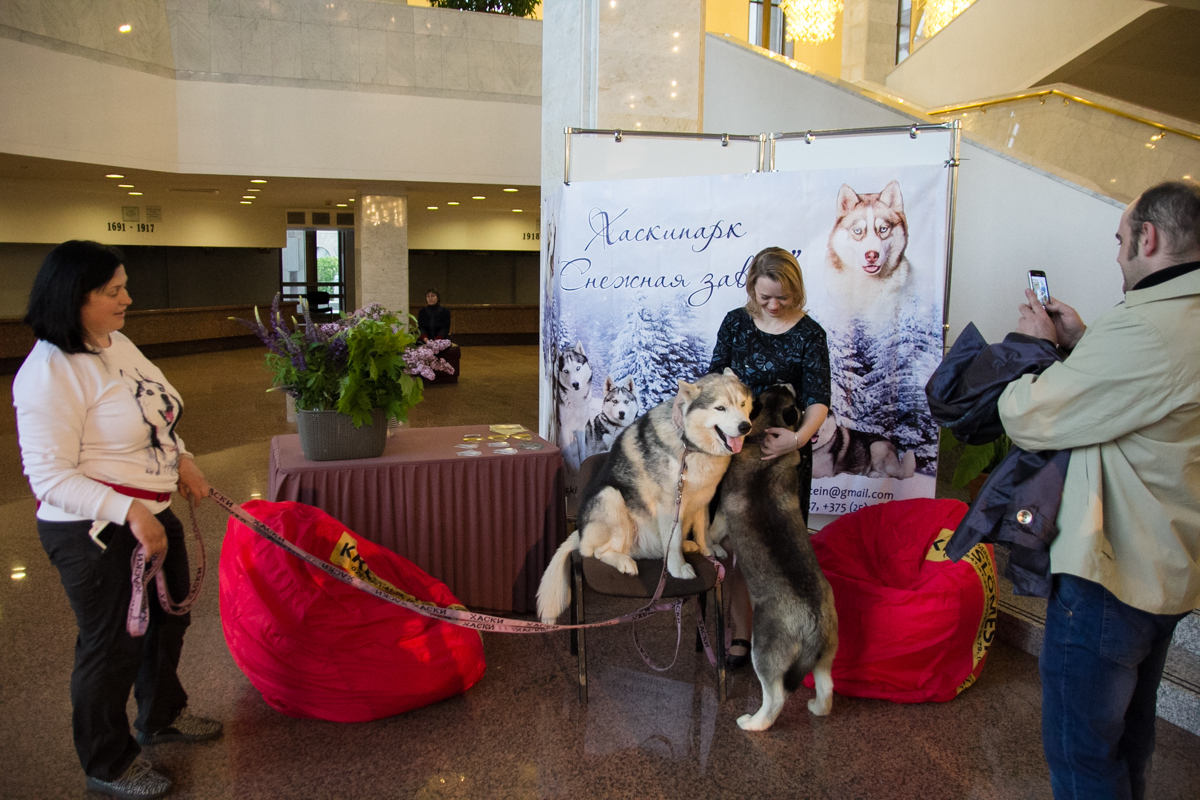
[(766, 163)]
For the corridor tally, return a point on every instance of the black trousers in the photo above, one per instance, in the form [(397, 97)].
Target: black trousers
[(108, 661)]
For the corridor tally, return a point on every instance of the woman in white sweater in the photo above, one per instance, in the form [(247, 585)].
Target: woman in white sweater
[(96, 424)]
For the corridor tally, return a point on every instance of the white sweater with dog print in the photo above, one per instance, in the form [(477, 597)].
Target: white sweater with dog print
[(84, 419)]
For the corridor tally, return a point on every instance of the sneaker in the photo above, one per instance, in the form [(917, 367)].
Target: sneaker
[(187, 727), (139, 781)]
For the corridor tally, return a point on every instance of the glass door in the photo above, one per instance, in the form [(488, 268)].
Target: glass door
[(313, 265)]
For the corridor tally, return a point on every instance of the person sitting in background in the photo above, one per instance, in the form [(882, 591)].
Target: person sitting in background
[(433, 321)]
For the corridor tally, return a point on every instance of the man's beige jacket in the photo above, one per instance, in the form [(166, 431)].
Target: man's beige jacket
[(1126, 402)]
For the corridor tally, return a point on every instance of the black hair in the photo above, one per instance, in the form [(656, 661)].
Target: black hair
[(1173, 208), (71, 272)]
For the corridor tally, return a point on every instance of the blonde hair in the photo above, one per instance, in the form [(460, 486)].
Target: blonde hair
[(777, 264)]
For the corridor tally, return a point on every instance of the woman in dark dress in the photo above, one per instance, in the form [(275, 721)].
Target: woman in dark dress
[(769, 341)]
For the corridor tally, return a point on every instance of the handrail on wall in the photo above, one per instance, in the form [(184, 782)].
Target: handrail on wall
[(1066, 97)]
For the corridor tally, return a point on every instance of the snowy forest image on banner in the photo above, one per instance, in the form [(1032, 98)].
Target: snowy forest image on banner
[(641, 273)]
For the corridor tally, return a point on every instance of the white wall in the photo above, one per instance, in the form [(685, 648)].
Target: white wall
[(1000, 46), (457, 228), (62, 106), (1010, 216), (52, 212)]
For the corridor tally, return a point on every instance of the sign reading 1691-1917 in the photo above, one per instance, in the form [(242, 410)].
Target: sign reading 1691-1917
[(131, 220)]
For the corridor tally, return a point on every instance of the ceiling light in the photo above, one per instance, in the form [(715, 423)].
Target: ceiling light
[(674, 83), (246, 203), (257, 180), (518, 210), (939, 14), (1187, 177), (126, 28), (675, 49), (452, 203), (479, 197), (676, 34), (254, 190), (510, 190), (124, 185), (247, 197), (815, 21), (341, 205), (431, 208), (135, 194), (114, 175), (351, 200), (18, 573)]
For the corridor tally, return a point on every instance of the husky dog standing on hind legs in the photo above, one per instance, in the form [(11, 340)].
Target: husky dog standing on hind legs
[(795, 623)]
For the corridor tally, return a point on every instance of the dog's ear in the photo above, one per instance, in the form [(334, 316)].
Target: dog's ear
[(789, 387), (890, 197), (629, 384), (687, 393), (847, 199), (755, 409), (730, 373), (579, 347), (608, 384), (791, 416)]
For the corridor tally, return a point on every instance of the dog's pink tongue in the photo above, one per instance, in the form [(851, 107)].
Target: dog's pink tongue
[(735, 444)]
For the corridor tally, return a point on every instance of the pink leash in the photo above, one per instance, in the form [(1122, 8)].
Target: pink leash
[(139, 609)]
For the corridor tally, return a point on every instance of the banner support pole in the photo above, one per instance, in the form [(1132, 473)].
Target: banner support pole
[(567, 154), (951, 204)]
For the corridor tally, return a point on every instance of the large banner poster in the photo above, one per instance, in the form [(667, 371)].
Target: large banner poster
[(640, 274)]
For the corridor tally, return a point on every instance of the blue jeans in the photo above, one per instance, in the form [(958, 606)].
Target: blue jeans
[(1101, 664)]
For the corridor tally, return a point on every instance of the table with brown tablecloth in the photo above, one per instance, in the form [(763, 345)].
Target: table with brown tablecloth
[(485, 526)]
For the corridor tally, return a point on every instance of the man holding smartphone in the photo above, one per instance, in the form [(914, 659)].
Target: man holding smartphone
[(1126, 563)]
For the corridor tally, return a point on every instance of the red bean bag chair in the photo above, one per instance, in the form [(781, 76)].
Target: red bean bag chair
[(317, 647), (912, 625)]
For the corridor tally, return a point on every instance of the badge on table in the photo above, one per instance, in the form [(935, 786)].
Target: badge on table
[(508, 430), (529, 445), (506, 451)]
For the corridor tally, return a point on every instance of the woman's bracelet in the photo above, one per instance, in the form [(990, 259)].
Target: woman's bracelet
[(797, 435)]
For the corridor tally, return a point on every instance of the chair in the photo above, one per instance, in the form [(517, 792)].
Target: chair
[(604, 579), (318, 305)]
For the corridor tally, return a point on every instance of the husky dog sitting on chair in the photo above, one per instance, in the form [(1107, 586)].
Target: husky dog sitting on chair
[(627, 510)]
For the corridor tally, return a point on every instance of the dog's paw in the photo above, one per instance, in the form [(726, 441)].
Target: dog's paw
[(718, 551), (747, 722), (691, 547), (820, 708), (624, 564), (685, 572)]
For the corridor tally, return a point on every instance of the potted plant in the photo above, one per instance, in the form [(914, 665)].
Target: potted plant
[(347, 377), (975, 461)]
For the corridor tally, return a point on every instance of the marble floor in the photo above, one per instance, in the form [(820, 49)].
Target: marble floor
[(520, 732)]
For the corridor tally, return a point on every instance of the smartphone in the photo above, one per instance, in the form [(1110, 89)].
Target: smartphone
[(102, 533), (1037, 282)]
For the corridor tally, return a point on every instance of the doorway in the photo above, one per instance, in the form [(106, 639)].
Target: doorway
[(314, 265)]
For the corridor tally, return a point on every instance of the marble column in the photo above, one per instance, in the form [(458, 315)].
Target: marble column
[(381, 250), (629, 64), (868, 40)]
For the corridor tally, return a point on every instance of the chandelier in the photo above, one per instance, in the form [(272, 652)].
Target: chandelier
[(811, 21), (939, 13)]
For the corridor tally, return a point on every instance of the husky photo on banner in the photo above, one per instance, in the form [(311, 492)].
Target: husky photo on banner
[(640, 274)]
